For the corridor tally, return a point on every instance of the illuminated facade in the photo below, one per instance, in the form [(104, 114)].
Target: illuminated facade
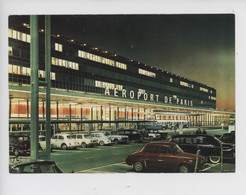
[(90, 84)]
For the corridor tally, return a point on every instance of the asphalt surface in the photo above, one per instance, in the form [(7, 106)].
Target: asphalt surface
[(111, 159)]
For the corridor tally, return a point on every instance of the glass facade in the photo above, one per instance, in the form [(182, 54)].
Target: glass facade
[(116, 93)]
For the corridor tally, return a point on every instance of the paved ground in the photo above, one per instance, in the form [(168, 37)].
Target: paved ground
[(110, 159)]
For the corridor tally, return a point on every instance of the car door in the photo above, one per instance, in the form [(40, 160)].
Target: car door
[(60, 141), (151, 157), (54, 141), (166, 160)]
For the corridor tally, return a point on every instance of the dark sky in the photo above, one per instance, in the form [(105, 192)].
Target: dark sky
[(199, 47)]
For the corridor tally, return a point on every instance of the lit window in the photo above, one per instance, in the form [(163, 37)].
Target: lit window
[(28, 38), (28, 70), (203, 89), (146, 73), (171, 80), (58, 47), (10, 33), (14, 34), (142, 91), (10, 68), (24, 37)]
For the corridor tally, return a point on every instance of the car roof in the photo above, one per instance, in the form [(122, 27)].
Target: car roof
[(192, 135), (36, 162), (169, 144)]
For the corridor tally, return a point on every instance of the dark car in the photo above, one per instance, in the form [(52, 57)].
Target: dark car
[(133, 135), (36, 167), (19, 144), (228, 138), (167, 156), (209, 146)]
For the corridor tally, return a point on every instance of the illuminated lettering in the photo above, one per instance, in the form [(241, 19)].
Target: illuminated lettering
[(139, 95), (131, 94), (177, 101), (151, 97), (166, 99), (106, 91), (170, 100), (115, 92), (157, 97), (145, 96), (124, 93)]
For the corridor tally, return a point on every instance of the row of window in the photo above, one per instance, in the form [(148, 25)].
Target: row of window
[(21, 70), (99, 59), (19, 36), (185, 84), (211, 98), (146, 73), (102, 84), (203, 89), (64, 63)]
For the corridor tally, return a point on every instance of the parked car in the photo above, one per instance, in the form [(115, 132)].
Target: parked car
[(116, 138), (161, 132), (133, 135), (154, 135), (102, 139), (19, 144), (85, 140), (42, 143), (36, 167), (228, 138), (209, 146), (167, 156), (152, 127), (64, 141)]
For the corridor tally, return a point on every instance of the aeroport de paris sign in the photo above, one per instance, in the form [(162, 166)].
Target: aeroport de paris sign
[(148, 97)]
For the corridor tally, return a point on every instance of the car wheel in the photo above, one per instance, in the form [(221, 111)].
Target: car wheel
[(214, 159), (183, 169), (83, 145), (138, 166), (64, 146), (16, 152), (101, 143), (116, 141)]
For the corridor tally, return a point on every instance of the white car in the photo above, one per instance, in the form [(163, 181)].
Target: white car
[(64, 141), (116, 138), (85, 140), (102, 139)]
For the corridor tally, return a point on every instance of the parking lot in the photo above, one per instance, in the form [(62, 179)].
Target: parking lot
[(111, 158)]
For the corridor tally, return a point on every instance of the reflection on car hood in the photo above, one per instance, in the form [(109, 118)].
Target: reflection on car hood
[(186, 155)]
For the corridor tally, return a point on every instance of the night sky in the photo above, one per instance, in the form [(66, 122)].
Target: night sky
[(199, 47)]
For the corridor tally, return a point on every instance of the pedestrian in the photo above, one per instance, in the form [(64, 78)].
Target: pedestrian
[(198, 131), (204, 132)]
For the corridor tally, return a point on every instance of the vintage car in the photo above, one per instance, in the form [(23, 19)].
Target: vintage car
[(102, 139), (115, 137), (64, 141), (19, 144), (36, 167), (133, 134), (209, 146), (166, 156), (42, 143), (85, 140), (228, 137)]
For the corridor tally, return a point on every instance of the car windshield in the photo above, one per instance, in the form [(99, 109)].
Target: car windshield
[(176, 149), (218, 140), (70, 136), (87, 136)]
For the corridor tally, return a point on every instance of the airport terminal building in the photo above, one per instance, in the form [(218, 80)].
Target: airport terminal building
[(93, 86)]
